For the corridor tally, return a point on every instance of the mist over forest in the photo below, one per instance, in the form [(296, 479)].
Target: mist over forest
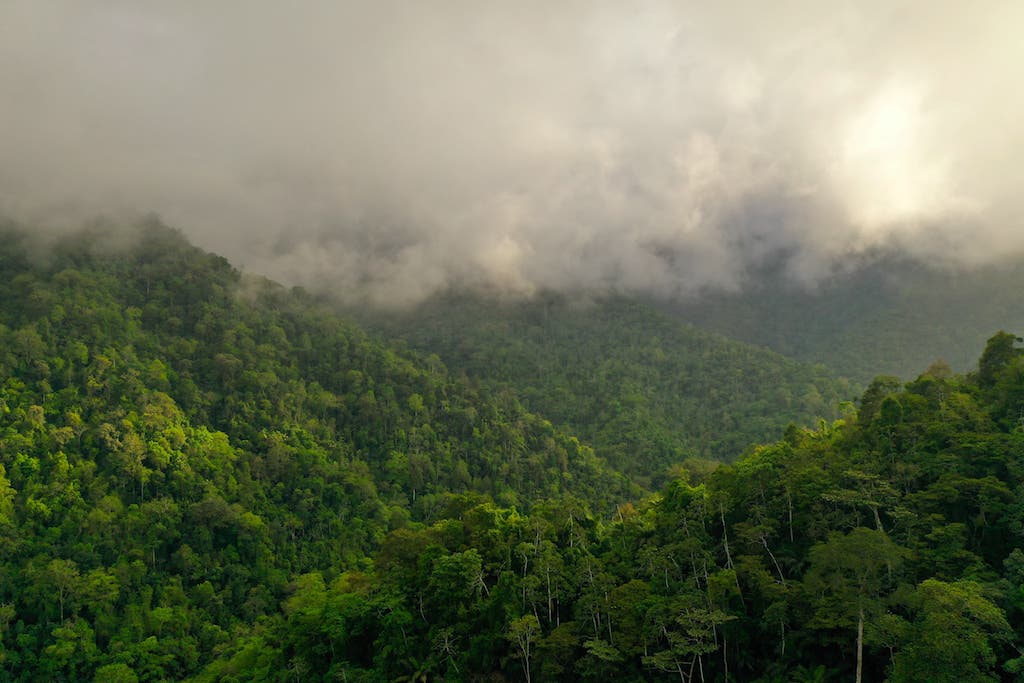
[(460, 341), (386, 150)]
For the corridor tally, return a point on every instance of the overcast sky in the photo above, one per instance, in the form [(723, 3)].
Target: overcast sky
[(385, 150)]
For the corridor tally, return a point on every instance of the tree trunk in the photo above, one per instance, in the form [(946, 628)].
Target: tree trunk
[(860, 643), (547, 574), (725, 537), (725, 654), (789, 504), (728, 556), (764, 542)]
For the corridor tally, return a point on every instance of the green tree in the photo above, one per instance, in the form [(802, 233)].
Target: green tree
[(848, 576), (951, 640), (999, 351), (115, 673), (523, 633), (63, 577)]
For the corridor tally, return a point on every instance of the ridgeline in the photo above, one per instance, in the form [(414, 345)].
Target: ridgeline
[(205, 476)]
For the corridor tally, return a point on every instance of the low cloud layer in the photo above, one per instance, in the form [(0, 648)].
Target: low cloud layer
[(386, 150)]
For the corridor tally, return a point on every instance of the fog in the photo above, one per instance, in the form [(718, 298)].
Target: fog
[(386, 150)]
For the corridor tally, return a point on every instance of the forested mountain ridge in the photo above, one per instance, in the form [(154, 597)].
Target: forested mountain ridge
[(206, 477), (884, 546), (645, 389), (890, 315), (177, 441)]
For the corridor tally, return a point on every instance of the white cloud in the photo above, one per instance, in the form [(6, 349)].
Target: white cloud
[(388, 149)]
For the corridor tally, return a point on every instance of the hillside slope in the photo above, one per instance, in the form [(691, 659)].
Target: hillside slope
[(886, 546), (891, 316), (646, 390), (206, 477), (178, 441)]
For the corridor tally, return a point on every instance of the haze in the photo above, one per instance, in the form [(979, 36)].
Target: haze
[(386, 150)]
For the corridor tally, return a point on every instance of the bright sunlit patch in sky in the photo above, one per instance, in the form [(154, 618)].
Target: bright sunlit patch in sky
[(890, 175)]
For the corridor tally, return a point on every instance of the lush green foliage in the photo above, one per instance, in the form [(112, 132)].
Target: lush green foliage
[(178, 442), (646, 390), (892, 537), (208, 478)]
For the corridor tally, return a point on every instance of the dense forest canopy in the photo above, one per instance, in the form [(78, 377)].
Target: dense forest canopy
[(646, 390), (207, 477), (164, 417), (580, 341)]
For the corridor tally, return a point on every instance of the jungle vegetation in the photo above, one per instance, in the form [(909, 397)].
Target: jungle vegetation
[(205, 476)]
